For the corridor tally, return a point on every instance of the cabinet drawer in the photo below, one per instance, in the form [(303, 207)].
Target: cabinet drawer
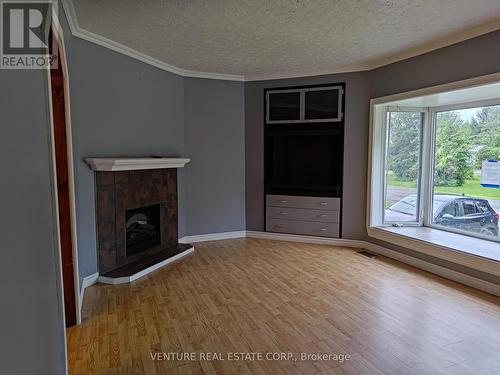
[(309, 228), (317, 203), (304, 214)]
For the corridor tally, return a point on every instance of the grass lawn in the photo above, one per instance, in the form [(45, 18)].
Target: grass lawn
[(471, 188)]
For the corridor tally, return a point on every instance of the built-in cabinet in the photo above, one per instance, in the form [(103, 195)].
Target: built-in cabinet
[(304, 148), (306, 105), (313, 216)]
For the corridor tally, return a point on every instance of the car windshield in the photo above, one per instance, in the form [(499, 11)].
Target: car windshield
[(406, 205), (438, 203)]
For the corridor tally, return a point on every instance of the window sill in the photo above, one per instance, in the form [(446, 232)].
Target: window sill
[(468, 251)]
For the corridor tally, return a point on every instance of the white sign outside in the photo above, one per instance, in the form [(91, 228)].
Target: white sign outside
[(490, 174)]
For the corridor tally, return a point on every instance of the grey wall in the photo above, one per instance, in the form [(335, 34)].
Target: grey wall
[(32, 322), (215, 141), (119, 107), (355, 148), (470, 58)]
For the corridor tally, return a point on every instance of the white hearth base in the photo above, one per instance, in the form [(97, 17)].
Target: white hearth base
[(144, 272)]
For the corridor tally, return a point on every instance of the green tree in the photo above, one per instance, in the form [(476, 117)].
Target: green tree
[(487, 121), (404, 145), (452, 162), (487, 153)]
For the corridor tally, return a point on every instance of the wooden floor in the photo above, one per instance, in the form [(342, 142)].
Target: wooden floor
[(260, 296)]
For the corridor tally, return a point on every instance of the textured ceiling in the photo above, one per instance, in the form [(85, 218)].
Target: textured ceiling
[(258, 38)]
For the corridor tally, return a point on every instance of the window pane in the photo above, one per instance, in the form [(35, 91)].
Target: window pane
[(464, 139), (402, 166)]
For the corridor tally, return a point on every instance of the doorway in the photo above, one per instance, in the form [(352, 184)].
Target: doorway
[(64, 181)]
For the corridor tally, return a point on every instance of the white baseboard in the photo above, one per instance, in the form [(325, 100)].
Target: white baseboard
[(213, 237), (86, 282), (144, 272), (306, 239), (426, 266), (90, 280), (459, 277), (447, 273)]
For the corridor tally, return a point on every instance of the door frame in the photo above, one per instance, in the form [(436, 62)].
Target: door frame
[(58, 34)]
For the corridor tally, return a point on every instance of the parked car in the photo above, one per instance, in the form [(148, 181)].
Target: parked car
[(459, 212)]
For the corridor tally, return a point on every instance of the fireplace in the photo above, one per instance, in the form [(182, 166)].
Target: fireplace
[(136, 214), (142, 229)]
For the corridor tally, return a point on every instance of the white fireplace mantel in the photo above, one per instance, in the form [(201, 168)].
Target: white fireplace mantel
[(128, 164)]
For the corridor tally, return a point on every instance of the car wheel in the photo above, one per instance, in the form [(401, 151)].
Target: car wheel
[(489, 232)]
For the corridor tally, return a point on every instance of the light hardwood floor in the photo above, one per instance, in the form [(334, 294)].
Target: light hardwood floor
[(261, 296)]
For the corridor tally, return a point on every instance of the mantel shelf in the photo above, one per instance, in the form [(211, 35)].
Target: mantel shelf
[(128, 164)]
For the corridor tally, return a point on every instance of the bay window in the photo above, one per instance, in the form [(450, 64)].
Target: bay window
[(427, 156)]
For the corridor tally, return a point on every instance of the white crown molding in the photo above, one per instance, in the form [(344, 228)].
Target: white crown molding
[(436, 44), (130, 164), (352, 68), (79, 32)]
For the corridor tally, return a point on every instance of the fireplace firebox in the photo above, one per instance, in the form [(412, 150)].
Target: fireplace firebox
[(142, 229)]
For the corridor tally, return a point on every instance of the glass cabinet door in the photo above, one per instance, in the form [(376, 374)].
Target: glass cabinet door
[(283, 106), (322, 104)]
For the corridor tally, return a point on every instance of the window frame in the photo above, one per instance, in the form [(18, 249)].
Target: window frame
[(428, 220), (425, 183), (383, 190)]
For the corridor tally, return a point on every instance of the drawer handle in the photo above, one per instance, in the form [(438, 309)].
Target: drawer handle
[(282, 213), (323, 203), (322, 229), (283, 201), (280, 225), (322, 215)]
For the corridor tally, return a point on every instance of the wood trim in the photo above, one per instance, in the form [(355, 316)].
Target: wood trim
[(58, 32), (63, 179)]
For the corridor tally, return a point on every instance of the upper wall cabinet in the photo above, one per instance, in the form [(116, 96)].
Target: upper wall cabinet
[(283, 106), (318, 104)]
